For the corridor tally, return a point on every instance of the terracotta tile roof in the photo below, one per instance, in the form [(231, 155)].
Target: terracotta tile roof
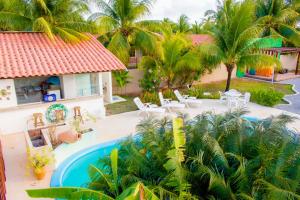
[(24, 54), (198, 39)]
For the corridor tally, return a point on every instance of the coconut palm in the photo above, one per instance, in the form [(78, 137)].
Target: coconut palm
[(177, 61), (234, 35), (279, 19), (183, 25), (224, 157), (53, 17), (120, 28), (109, 182)]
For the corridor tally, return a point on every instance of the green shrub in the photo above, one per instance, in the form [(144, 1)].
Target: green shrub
[(169, 94), (152, 97), (266, 97), (149, 97), (199, 93)]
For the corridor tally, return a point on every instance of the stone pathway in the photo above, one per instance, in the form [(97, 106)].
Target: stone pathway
[(294, 99)]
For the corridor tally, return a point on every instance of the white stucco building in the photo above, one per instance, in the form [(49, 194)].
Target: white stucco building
[(34, 70)]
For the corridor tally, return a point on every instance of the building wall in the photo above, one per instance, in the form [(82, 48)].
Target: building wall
[(289, 61), (15, 118), (18, 119), (8, 97), (133, 86), (218, 74)]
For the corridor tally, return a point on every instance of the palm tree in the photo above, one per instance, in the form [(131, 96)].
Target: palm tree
[(279, 19), (183, 25), (224, 157), (175, 59), (120, 28), (100, 179), (60, 17), (234, 35)]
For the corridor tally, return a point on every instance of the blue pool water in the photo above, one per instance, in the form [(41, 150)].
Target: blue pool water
[(73, 171)]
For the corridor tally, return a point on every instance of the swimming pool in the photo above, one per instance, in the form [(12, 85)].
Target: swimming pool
[(73, 171)]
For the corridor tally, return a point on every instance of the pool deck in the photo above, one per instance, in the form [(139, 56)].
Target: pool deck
[(20, 178)]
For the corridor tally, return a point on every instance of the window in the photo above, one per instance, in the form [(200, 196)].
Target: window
[(87, 84), (33, 89)]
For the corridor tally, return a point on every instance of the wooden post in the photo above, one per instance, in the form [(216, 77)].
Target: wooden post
[(77, 114), (38, 119), (298, 63)]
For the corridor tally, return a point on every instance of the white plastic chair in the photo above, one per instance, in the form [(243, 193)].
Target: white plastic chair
[(244, 100), (169, 104), (148, 108), (187, 100)]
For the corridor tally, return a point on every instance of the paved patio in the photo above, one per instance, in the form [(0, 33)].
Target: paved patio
[(293, 99), (19, 178)]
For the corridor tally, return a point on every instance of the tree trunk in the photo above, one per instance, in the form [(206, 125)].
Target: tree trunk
[(229, 68), (169, 83)]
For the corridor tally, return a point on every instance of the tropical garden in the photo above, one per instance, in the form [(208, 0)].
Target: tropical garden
[(170, 60), (210, 157)]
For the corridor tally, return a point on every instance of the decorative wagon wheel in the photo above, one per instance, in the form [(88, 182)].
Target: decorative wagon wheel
[(56, 113)]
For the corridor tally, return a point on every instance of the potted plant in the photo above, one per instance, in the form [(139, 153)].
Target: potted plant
[(39, 161)]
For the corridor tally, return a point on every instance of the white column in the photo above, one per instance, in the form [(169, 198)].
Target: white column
[(100, 84), (107, 87)]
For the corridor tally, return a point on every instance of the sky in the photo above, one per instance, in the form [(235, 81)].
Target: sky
[(172, 9)]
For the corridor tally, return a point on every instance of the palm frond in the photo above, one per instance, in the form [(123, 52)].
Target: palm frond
[(137, 191), (274, 192), (119, 46), (258, 61), (43, 25), (68, 193), (13, 21), (290, 33)]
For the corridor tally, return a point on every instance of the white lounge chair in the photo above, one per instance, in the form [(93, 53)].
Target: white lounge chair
[(243, 101), (187, 100), (169, 104), (148, 108)]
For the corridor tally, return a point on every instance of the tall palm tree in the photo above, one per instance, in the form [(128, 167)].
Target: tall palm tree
[(175, 59), (120, 28), (53, 17), (234, 35), (183, 25), (279, 19)]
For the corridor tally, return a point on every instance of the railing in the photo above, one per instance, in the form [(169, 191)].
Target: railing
[(2, 176)]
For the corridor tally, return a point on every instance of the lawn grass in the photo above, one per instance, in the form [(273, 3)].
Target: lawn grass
[(121, 107), (245, 85)]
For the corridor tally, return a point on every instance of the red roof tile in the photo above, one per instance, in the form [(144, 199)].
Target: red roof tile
[(24, 54), (198, 39)]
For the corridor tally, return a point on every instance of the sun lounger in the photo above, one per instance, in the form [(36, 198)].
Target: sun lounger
[(148, 107), (187, 100), (169, 104), (244, 100)]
